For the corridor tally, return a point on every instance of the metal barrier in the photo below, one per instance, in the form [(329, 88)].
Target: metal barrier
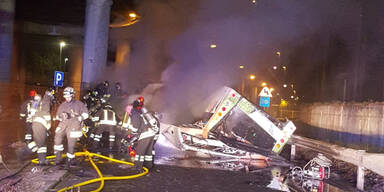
[(359, 158)]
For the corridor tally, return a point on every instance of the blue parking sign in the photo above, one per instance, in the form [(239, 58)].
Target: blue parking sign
[(265, 101), (58, 79)]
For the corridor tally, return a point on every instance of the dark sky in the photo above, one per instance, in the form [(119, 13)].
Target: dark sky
[(326, 45), (61, 11)]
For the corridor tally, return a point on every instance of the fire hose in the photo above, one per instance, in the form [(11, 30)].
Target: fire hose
[(101, 178)]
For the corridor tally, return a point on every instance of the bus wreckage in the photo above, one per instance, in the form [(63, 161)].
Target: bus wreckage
[(236, 129)]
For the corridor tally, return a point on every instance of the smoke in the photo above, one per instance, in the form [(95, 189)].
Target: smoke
[(173, 38)]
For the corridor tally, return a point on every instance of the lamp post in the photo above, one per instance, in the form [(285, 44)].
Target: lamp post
[(62, 44)]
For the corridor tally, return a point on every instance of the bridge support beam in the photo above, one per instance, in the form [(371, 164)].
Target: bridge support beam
[(96, 40)]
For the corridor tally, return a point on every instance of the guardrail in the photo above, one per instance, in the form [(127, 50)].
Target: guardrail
[(359, 158)]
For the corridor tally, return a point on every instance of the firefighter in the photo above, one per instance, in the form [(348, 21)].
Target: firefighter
[(147, 129), (26, 112), (41, 124), (71, 114), (104, 90), (106, 120), (118, 92)]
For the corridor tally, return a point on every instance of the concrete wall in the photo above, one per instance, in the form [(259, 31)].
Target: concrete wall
[(359, 124)]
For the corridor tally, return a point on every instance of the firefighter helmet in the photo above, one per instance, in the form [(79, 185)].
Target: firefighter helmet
[(136, 104), (117, 85), (52, 90), (106, 83), (69, 92), (32, 93)]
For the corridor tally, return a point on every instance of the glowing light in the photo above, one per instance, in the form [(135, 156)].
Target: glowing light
[(285, 85), (132, 15), (253, 1), (284, 68), (274, 67), (212, 46), (62, 44), (292, 96), (278, 53), (241, 66), (271, 89), (263, 84), (252, 77), (283, 103)]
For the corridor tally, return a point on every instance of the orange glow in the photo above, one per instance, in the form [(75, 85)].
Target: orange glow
[(132, 15)]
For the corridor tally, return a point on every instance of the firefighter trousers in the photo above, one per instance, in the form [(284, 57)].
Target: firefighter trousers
[(71, 129), (113, 132), (28, 132), (145, 153), (40, 138)]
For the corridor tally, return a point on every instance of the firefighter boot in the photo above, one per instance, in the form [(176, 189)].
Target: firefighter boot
[(59, 158), (68, 164), (41, 158)]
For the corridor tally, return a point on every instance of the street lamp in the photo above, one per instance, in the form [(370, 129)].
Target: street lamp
[(252, 77), (62, 44), (212, 46), (132, 15), (263, 84)]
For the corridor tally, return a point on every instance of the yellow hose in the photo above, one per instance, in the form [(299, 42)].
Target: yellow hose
[(101, 177)]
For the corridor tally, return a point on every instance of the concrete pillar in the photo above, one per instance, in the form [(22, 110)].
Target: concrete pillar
[(96, 40), (7, 10)]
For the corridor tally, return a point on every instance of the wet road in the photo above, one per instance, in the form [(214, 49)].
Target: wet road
[(185, 171), (10, 132)]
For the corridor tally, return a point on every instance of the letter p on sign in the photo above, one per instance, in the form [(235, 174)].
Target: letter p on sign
[(58, 79)]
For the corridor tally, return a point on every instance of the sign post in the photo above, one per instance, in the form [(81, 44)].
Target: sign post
[(58, 79)]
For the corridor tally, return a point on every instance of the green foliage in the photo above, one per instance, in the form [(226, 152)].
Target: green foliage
[(42, 64)]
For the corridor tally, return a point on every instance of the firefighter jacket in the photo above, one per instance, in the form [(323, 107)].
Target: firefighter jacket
[(43, 112), (72, 111), (27, 111), (106, 116), (140, 121)]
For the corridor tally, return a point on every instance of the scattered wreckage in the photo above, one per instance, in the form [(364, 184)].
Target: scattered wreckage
[(236, 130)]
